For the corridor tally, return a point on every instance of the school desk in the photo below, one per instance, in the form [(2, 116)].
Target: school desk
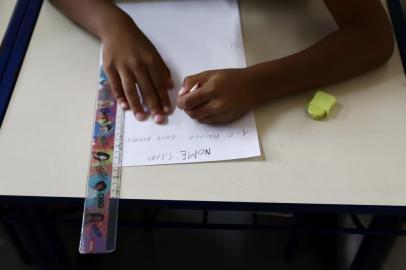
[(354, 159), (6, 11), (6, 8), (353, 162), (17, 20)]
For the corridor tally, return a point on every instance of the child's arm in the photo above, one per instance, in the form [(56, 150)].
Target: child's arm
[(129, 58), (363, 42)]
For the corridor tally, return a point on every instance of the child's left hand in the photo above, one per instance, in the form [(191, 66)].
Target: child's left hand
[(223, 95)]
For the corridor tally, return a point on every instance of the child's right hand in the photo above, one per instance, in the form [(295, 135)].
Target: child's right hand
[(130, 59)]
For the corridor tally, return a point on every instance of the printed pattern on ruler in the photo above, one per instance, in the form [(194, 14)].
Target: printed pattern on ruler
[(96, 216)]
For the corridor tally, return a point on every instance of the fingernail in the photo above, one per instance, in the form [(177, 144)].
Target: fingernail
[(139, 116), (167, 109), (123, 105), (159, 118), (182, 91)]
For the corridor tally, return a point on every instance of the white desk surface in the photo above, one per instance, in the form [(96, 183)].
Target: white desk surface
[(356, 157), (6, 9)]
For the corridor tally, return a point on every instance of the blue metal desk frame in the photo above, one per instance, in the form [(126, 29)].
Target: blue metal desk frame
[(12, 54)]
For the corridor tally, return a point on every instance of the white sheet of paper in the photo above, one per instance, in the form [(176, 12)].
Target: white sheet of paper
[(191, 36)]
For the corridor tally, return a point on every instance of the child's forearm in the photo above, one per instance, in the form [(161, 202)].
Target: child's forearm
[(129, 58), (342, 55), (99, 17), (350, 51)]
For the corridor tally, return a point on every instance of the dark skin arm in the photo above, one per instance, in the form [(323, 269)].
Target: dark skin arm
[(129, 58), (363, 42)]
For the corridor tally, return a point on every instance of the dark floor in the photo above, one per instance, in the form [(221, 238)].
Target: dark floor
[(194, 249)]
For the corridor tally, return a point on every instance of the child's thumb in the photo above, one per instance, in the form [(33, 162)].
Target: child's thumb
[(191, 81)]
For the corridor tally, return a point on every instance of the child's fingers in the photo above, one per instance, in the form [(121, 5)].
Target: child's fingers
[(150, 96), (210, 119), (201, 111), (165, 70), (160, 79), (219, 118), (130, 90), (116, 86), (190, 81), (195, 98)]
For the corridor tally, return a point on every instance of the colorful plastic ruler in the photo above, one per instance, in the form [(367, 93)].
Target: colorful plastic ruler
[(99, 226)]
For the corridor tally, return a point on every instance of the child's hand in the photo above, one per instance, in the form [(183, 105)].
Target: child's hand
[(222, 96), (130, 59)]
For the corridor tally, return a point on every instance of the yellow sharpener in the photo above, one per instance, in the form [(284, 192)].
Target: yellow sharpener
[(321, 105)]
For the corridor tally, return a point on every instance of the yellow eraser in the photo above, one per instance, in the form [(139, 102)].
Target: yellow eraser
[(321, 105)]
